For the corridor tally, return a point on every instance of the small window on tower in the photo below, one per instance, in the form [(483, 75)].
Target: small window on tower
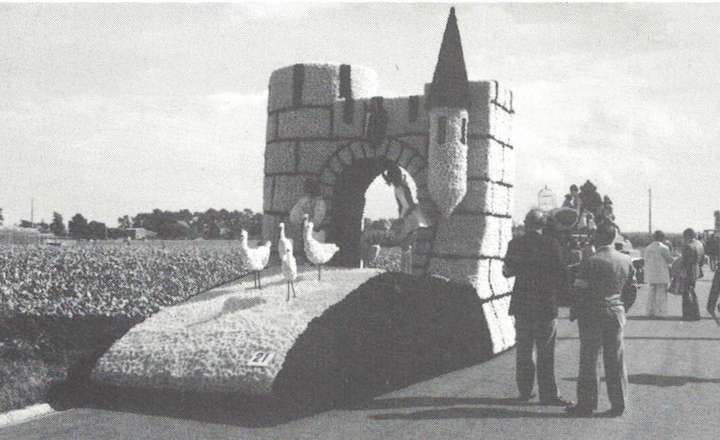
[(442, 124), (463, 129)]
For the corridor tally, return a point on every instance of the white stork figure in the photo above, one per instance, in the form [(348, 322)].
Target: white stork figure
[(255, 259), (289, 271), (317, 252), (284, 242)]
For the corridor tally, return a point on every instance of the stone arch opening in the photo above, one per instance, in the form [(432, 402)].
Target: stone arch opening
[(347, 193)]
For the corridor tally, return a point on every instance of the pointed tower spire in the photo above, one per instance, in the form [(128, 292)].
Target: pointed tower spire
[(450, 86)]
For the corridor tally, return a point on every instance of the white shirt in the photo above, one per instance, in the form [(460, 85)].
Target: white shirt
[(657, 259)]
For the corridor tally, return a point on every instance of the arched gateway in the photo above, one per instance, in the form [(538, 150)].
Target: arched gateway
[(320, 125)]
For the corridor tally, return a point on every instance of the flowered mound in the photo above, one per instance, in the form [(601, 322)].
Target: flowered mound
[(206, 344), (393, 330)]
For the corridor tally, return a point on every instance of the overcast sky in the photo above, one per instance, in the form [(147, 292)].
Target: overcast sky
[(117, 109)]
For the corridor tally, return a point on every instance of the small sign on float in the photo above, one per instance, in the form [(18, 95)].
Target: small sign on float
[(261, 359)]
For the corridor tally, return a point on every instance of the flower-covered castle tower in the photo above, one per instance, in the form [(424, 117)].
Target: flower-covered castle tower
[(326, 122), (448, 116)]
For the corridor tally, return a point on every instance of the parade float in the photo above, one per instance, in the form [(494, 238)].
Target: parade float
[(357, 330)]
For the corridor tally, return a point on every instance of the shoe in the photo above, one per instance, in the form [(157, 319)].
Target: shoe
[(614, 412), (578, 411), (526, 397)]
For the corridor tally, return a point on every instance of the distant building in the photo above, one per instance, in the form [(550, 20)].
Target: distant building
[(131, 233)]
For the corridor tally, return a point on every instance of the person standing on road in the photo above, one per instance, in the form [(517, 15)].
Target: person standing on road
[(692, 254), (657, 259), (712, 301), (536, 262), (600, 312)]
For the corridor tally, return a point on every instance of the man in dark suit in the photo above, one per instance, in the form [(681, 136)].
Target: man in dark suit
[(536, 262), (692, 255)]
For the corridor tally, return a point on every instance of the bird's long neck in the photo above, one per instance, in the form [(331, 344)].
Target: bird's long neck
[(243, 243)]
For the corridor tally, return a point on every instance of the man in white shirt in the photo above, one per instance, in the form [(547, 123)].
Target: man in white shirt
[(657, 274)]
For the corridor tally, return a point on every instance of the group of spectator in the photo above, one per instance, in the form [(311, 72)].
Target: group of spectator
[(110, 279), (604, 284), (678, 274)]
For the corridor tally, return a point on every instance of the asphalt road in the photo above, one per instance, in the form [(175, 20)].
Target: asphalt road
[(674, 373)]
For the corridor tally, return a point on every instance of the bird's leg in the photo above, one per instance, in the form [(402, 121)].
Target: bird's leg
[(319, 272), (259, 280), (287, 297), (292, 284)]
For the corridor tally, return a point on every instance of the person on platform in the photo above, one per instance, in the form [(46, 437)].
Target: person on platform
[(572, 199), (692, 255), (536, 262), (600, 311), (657, 258), (409, 212)]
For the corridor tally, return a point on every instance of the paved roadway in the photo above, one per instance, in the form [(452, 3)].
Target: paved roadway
[(674, 371)]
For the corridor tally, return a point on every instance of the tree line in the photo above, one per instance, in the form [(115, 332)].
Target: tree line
[(173, 225)]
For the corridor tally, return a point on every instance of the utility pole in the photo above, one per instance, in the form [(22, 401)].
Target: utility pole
[(650, 211), (32, 212)]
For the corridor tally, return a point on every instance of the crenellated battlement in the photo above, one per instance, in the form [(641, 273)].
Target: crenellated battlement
[(314, 84)]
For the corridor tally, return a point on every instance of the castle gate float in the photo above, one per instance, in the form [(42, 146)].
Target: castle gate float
[(326, 122)]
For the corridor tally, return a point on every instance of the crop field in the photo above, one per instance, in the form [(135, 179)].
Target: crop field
[(132, 280), (61, 307)]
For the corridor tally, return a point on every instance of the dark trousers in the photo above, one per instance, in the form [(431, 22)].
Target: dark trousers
[(538, 335), (690, 307), (602, 333)]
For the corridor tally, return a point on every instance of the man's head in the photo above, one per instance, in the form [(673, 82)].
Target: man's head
[(574, 189), (605, 234), (689, 234), (659, 236), (535, 220)]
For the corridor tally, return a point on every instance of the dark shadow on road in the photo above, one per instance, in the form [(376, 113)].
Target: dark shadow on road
[(659, 380), (651, 338), (425, 401), (662, 318), (667, 381), (467, 412)]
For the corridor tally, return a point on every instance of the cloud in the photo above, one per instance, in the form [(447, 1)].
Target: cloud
[(106, 156)]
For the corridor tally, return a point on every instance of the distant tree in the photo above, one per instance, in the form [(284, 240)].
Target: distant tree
[(57, 226), (78, 226), (96, 230), (43, 227), (124, 222), (26, 224), (1, 217), (173, 230)]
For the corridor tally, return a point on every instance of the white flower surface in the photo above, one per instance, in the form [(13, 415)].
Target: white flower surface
[(207, 343)]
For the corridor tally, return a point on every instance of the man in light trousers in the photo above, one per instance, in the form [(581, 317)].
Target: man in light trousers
[(601, 317), (657, 274)]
